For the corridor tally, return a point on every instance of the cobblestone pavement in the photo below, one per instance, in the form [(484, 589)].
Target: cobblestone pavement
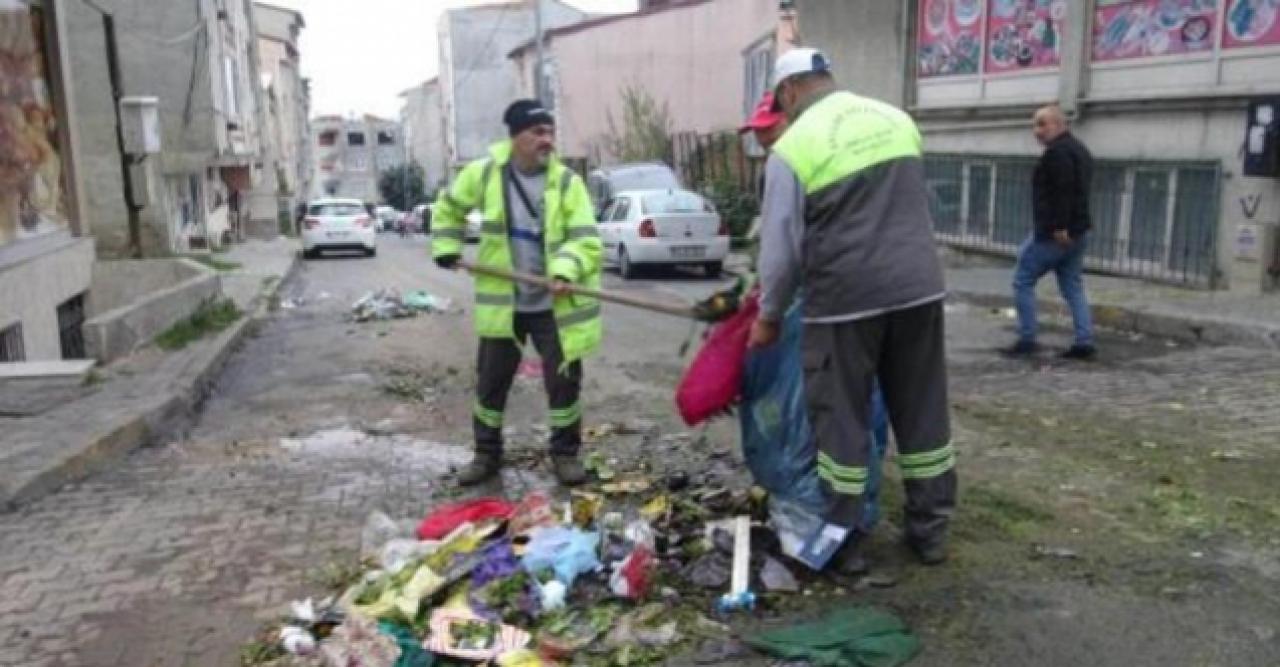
[(176, 556)]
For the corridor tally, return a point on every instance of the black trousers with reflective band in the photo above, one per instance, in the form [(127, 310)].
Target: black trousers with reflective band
[(906, 351), (499, 359)]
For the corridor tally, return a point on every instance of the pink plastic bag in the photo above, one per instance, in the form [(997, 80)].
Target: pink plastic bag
[(713, 381)]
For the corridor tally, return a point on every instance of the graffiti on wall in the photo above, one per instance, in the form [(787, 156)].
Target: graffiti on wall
[(1145, 28), (1024, 34), (1251, 23), (31, 200), (1249, 205), (950, 37)]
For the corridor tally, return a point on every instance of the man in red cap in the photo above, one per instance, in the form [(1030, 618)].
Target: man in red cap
[(767, 124)]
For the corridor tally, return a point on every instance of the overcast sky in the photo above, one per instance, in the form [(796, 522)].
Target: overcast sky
[(362, 55)]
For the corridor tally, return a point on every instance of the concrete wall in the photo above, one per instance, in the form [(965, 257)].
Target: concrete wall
[(144, 300), (43, 267), (35, 277), (118, 283), (478, 80), (423, 115), (689, 58), (872, 63)]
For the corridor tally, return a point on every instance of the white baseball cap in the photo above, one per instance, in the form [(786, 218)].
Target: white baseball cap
[(799, 61)]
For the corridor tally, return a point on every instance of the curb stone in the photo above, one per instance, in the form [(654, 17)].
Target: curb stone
[(1176, 326)]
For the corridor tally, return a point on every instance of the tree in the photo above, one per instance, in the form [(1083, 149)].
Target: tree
[(392, 184), (645, 134)]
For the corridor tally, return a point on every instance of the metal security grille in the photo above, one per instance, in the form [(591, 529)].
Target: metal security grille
[(1152, 220), (11, 348), (71, 327)]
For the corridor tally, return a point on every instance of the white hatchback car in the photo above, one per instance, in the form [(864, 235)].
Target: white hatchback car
[(338, 224), (663, 227)]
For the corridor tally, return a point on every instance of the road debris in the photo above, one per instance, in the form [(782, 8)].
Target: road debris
[(623, 571), (1060, 553), (388, 304)]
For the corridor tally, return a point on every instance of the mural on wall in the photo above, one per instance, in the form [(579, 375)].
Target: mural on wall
[(31, 197), (1145, 28), (1251, 23), (1024, 34), (950, 37)]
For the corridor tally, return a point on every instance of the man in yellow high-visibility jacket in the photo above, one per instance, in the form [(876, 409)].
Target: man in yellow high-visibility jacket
[(537, 219)]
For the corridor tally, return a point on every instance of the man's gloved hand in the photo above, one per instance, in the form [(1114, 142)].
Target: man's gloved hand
[(560, 286), (719, 306), (449, 262)]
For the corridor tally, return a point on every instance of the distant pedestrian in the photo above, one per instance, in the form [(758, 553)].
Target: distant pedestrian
[(846, 220), (1060, 193), (537, 219)]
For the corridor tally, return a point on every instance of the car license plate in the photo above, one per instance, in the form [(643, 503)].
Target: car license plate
[(688, 251), (337, 235)]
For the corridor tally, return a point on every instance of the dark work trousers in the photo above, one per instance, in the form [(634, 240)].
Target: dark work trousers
[(905, 350), (499, 359)]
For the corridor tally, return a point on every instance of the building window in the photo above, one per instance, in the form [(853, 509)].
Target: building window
[(71, 327), (355, 138), (231, 87), (328, 138), (32, 193), (1150, 219), (11, 348), (386, 138)]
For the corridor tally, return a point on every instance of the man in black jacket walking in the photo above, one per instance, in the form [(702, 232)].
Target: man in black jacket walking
[(1060, 188)]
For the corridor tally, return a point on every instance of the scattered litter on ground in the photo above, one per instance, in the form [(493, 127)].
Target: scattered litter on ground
[(628, 570), (388, 304), (1060, 553)]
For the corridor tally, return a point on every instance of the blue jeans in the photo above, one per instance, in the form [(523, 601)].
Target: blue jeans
[(1036, 258)]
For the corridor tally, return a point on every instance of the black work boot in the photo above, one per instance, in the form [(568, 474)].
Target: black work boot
[(1080, 353), (568, 469), (930, 552), (849, 561), (483, 467), (1022, 348)]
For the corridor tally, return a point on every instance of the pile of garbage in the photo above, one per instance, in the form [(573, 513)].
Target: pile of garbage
[(388, 304), (627, 573)]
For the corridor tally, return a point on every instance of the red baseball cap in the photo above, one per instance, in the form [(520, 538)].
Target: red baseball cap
[(764, 117)]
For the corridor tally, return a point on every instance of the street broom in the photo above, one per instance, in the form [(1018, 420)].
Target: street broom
[(630, 300)]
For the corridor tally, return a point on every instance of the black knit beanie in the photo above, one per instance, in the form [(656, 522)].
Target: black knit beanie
[(524, 114)]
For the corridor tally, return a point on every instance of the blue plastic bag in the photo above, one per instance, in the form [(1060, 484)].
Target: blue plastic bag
[(567, 551), (777, 441)]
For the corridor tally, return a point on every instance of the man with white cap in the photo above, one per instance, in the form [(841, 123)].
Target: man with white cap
[(846, 218)]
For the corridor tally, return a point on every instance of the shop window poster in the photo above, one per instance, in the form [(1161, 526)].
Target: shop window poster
[(31, 201), (1146, 28), (950, 37), (1024, 34), (1251, 23)]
